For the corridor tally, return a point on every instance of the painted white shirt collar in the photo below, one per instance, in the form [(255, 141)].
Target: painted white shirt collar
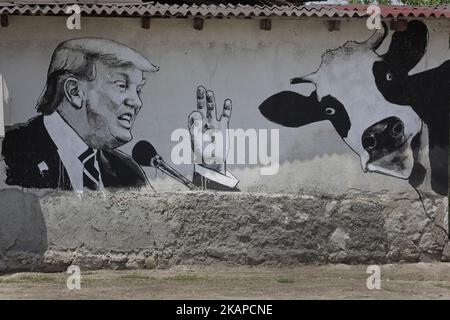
[(70, 147)]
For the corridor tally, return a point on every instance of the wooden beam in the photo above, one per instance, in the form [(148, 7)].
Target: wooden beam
[(198, 23), (334, 25), (145, 22), (4, 21), (265, 24), (399, 25)]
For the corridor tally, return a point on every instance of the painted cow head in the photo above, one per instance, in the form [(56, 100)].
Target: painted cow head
[(357, 91)]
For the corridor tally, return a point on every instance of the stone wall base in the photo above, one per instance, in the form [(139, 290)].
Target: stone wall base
[(140, 229)]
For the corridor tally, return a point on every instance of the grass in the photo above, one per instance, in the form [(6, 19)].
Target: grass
[(443, 286), (285, 280), (184, 278), (135, 276), (32, 278), (143, 277)]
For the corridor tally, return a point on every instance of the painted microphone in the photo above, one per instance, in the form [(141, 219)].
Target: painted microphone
[(145, 155)]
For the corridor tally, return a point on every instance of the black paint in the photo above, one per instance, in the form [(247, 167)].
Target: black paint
[(427, 93), (383, 138), (291, 109), (143, 152), (27, 145)]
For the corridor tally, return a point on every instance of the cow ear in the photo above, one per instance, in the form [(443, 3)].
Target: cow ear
[(407, 47), (291, 109)]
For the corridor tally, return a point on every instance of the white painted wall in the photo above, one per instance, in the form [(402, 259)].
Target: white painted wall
[(235, 59)]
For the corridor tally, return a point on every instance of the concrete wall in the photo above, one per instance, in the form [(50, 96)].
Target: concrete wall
[(146, 230), (314, 219)]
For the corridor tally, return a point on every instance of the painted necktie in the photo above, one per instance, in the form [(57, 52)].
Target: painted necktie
[(91, 176)]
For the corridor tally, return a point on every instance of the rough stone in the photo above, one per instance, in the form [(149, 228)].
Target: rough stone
[(140, 229), (88, 261), (446, 253), (116, 262), (135, 262), (57, 261), (339, 238), (150, 263)]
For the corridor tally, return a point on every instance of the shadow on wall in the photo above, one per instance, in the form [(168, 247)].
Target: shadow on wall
[(23, 233)]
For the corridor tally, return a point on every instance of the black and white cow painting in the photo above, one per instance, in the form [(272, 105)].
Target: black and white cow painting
[(395, 122)]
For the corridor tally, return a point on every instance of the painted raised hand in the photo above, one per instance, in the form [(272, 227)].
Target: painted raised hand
[(209, 131)]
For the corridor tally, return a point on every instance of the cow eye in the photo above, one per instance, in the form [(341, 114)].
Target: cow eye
[(330, 111), (388, 76)]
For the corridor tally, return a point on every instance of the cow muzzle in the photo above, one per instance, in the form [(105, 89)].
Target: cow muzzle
[(383, 137), (388, 148)]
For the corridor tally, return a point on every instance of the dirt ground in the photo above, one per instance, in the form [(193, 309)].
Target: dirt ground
[(400, 281)]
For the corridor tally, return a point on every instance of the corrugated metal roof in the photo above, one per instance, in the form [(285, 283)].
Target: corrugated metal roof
[(220, 10)]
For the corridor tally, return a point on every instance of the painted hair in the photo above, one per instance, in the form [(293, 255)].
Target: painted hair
[(77, 58)]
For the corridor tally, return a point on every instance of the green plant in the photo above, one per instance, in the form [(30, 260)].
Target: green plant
[(409, 2), (184, 277), (29, 277), (135, 276), (285, 280)]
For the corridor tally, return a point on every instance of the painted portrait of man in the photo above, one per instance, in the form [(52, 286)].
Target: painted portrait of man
[(87, 110)]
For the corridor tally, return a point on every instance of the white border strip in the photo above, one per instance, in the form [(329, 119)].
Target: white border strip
[(2, 102)]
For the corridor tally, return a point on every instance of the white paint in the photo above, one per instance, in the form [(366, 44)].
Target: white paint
[(42, 167), (348, 77), (2, 121), (70, 147)]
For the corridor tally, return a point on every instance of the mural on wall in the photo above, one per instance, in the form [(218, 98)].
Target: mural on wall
[(395, 122), (87, 110)]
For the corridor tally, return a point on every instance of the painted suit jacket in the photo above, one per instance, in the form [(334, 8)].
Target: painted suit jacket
[(32, 161)]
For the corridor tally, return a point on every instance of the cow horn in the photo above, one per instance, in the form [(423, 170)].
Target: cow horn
[(310, 78), (376, 39)]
